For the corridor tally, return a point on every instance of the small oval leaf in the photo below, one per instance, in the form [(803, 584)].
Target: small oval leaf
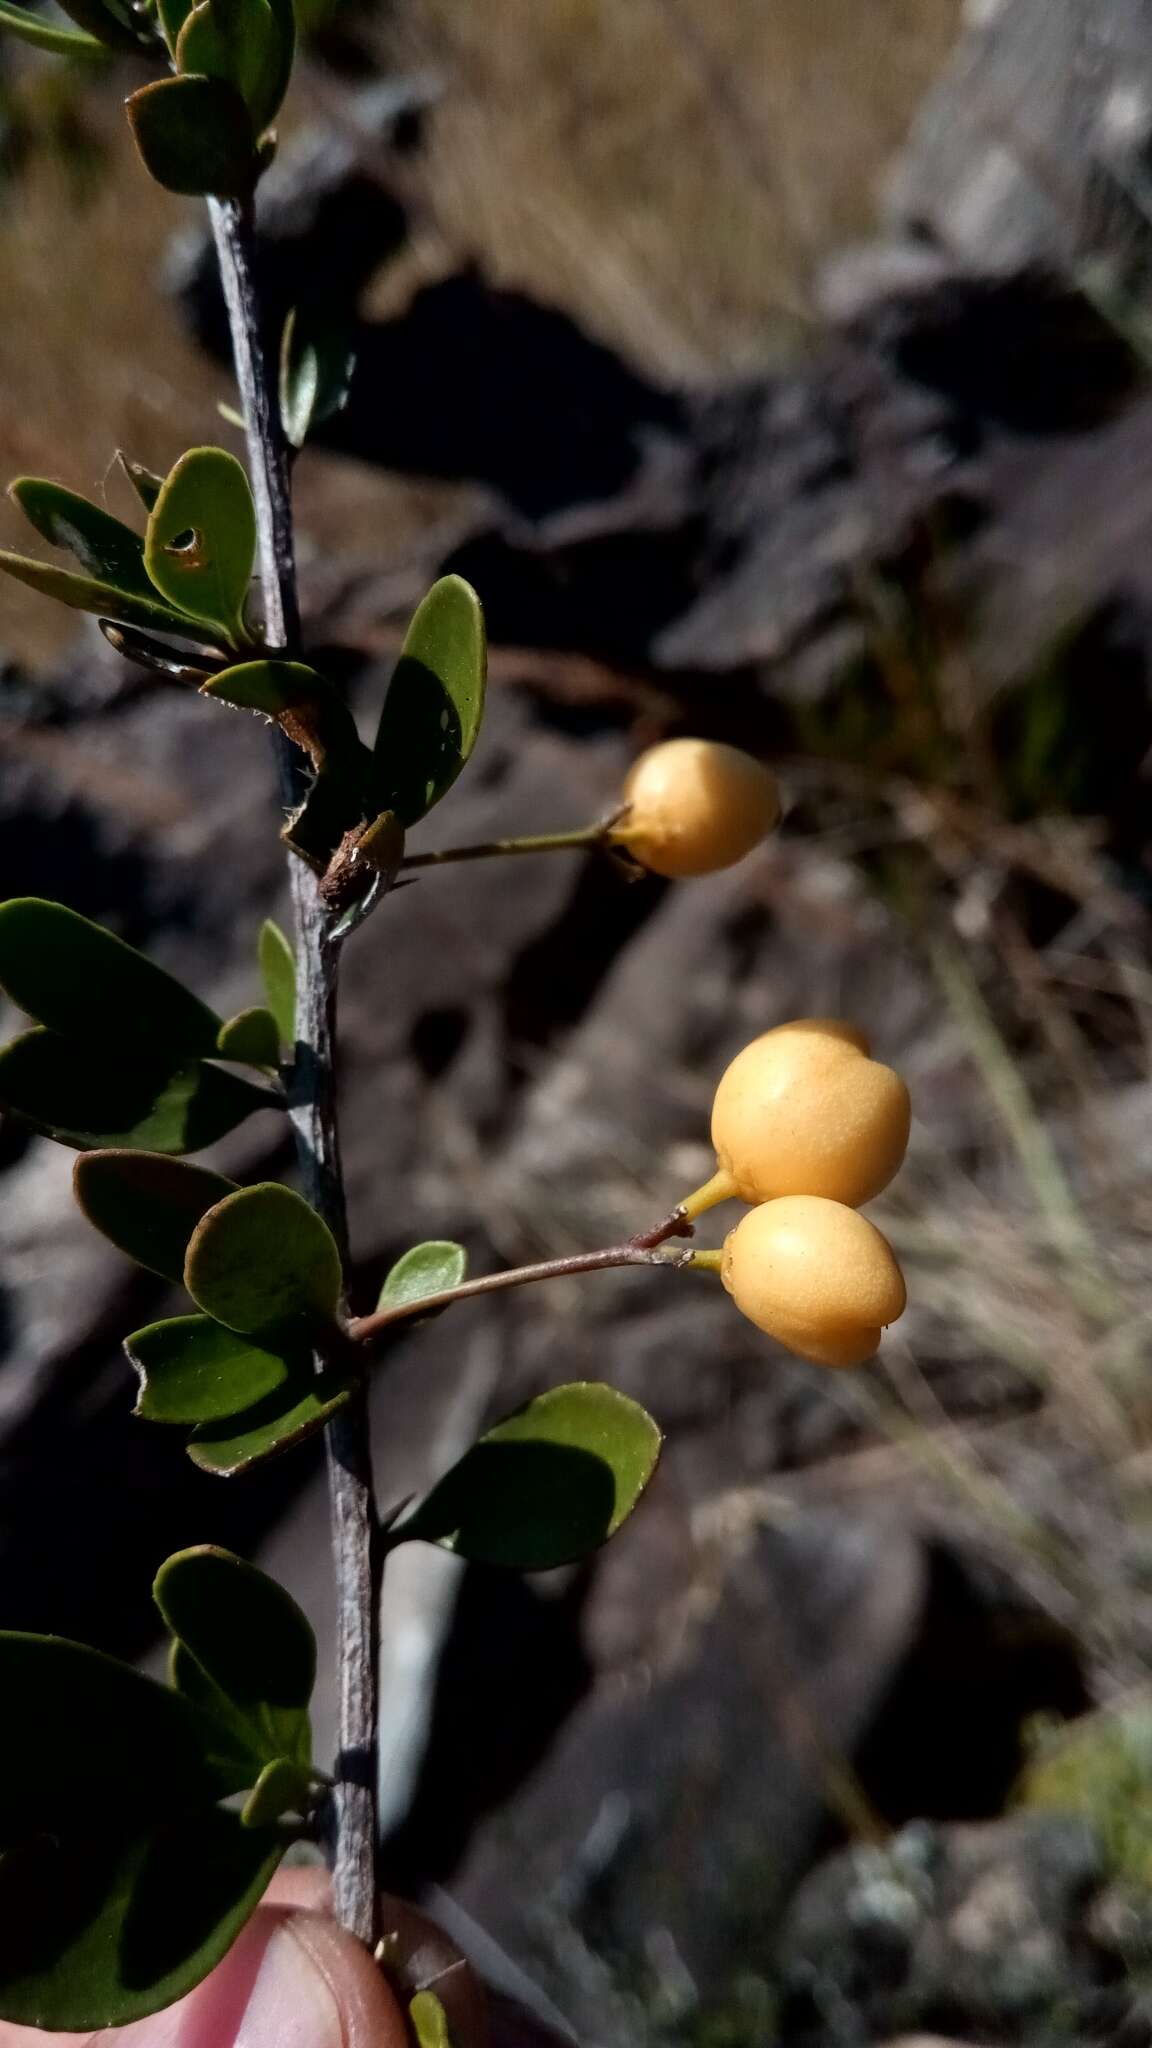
[(429, 2021), (263, 1259), (104, 547), (146, 1205), (428, 1268), (94, 1096), (252, 1038), (239, 42), (268, 686), (278, 973), (194, 1370), (544, 1487), (85, 983), (435, 701), (285, 1419), (200, 547), (317, 360), (249, 1638), (195, 136)]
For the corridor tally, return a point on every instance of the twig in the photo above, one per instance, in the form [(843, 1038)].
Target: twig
[(312, 1111)]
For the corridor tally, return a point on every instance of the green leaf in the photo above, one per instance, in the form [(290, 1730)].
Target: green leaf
[(429, 2021), (85, 983), (238, 41), (86, 594), (194, 1370), (252, 1037), (278, 973), (195, 136), (317, 360), (173, 14), (249, 1638), (427, 1269), (282, 1787), (435, 702), (101, 1927), (263, 1259), (93, 1096), (145, 482), (285, 1419), (110, 24), (200, 547), (47, 35), (146, 1205), (268, 686), (235, 1748), (104, 547), (544, 1487)]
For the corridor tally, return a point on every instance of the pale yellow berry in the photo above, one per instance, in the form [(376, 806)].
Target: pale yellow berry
[(803, 1110), (816, 1276), (695, 806)]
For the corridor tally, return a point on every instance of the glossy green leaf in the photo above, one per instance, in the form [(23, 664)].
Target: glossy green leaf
[(435, 701), (194, 1370), (241, 42), (317, 360), (429, 2021), (262, 1259), (278, 973), (282, 1787), (145, 482), (544, 1487), (87, 984), (87, 594), (426, 1269), (252, 1037), (93, 1096), (104, 547), (183, 665), (47, 35), (249, 1638), (146, 1205), (268, 686), (195, 136), (101, 1927), (285, 1419), (200, 547)]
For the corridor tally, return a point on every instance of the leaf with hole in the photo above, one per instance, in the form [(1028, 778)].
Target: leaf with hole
[(92, 1096), (544, 1487), (278, 973), (146, 1205), (31, 27), (263, 1259), (193, 1370), (87, 984), (427, 1269), (195, 136), (200, 547), (238, 41), (87, 594), (317, 360), (249, 1638), (104, 547), (435, 702), (251, 1037), (287, 1418)]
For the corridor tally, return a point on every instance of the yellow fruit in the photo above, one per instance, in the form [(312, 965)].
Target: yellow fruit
[(816, 1276), (803, 1110), (695, 806)]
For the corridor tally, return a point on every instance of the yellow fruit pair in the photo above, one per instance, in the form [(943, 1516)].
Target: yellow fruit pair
[(807, 1126)]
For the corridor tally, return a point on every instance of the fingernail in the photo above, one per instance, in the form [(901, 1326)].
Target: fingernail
[(290, 2004)]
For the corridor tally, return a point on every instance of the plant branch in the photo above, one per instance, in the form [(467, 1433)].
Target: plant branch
[(312, 1111), (640, 1250), (488, 849)]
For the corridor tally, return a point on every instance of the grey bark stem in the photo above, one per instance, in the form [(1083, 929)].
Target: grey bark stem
[(312, 1110)]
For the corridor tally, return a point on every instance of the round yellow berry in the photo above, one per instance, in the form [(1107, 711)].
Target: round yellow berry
[(803, 1110), (695, 806), (816, 1276)]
